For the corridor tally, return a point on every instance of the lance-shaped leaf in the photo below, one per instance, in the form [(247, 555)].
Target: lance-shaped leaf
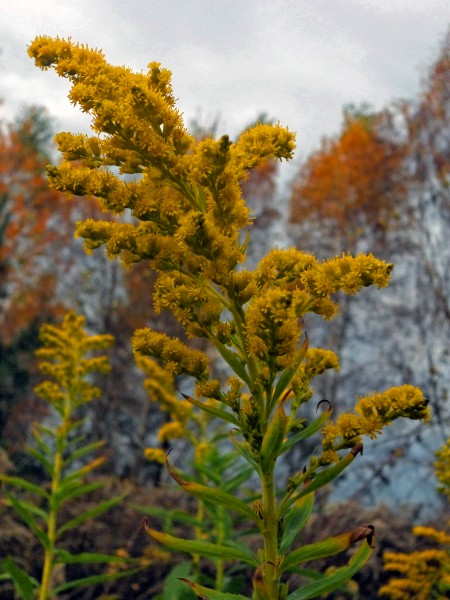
[(64, 557), (243, 450), (233, 360), (274, 437), (25, 514), (328, 547), (201, 548), (93, 579), (208, 594), (212, 410), (310, 430), (287, 375), (23, 583), (24, 484), (90, 513), (337, 579), (71, 490), (325, 477), (47, 464), (296, 520), (214, 495)]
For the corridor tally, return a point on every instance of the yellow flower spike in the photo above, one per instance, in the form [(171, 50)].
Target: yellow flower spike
[(171, 351), (171, 431), (156, 455)]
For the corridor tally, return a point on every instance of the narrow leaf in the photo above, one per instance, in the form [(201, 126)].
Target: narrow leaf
[(310, 430), (337, 579), (233, 360), (212, 410), (236, 481), (202, 548), (23, 583), (209, 594), (174, 588), (95, 511), (24, 513), (244, 452), (214, 495), (73, 490), (83, 471), (324, 477), (93, 579), (328, 547), (174, 515), (83, 451), (296, 520), (24, 484), (287, 375), (64, 557), (39, 456)]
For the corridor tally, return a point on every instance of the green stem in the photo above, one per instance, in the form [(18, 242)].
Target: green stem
[(45, 590), (220, 565), (270, 571)]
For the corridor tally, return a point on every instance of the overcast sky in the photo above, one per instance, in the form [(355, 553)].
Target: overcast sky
[(299, 61)]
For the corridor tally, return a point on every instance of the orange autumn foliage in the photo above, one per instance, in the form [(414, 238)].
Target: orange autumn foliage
[(34, 226), (353, 179)]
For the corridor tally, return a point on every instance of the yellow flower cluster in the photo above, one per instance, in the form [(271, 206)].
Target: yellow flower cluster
[(175, 356), (424, 574), (187, 194), (272, 327), (68, 357), (373, 413)]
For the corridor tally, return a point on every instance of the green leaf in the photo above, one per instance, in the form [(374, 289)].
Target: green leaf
[(24, 512), (202, 548), (213, 410), (214, 495), (169, 515), (233, 360), (204, 592), (288, 374), (90, 513), (324, 548), (296, 520), (23, 583), (310, 430), (174, 589), (243, 450), (41, 458), (325, 477), (93, 579), (66, 558), (337, 579), (71, 490), (83, 451), (236, 481), (24, 484)]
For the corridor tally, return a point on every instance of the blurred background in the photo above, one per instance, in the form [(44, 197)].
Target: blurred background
[(366, 87)]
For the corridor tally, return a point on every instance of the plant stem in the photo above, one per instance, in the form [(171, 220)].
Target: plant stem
[(45, 590), (270, 533)]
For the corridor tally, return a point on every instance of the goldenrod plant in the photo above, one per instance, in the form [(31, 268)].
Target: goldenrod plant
[(424, 574), (184, 216), (68, 357), (212, 463)]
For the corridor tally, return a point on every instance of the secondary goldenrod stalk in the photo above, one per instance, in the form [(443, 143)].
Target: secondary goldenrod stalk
[(58, 465)]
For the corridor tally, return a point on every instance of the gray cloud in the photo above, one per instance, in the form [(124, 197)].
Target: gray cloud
[(299, 61)]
